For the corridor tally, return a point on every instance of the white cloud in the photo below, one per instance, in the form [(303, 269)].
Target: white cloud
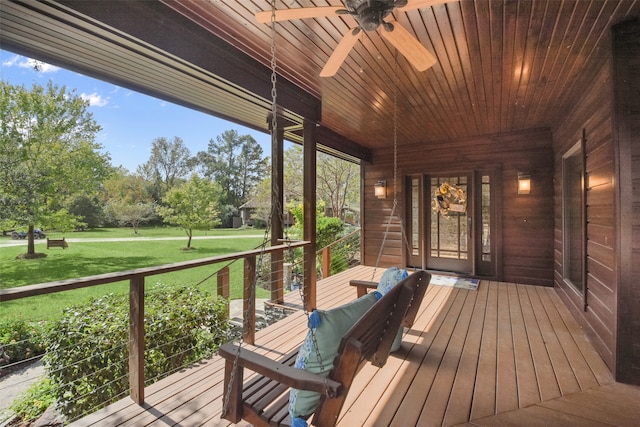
[(34, 64), (95, 100)]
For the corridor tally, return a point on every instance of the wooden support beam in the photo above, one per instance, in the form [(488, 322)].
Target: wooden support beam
[(277, 210), (309, 207), (249, 301)]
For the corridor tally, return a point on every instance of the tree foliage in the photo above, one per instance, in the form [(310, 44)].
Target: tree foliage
[(48, 153), (236, 163), (133, 214), (128, 199), (192, 206), (338, 183), (169, 163)]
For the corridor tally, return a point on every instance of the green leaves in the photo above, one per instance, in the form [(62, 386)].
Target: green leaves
[(47, 152), (192, 206), (87, 357)]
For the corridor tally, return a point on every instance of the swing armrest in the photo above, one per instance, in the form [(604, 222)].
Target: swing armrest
[(282, 373), (362, 286)]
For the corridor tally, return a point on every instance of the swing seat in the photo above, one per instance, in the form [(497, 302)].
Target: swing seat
[(264, 400)]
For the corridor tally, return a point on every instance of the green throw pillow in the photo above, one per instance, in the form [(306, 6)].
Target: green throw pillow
[(391, 277), (329, 326)]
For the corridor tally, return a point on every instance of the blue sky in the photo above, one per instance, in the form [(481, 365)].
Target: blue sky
[(130, 121)]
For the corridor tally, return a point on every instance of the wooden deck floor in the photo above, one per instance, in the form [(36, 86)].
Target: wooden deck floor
[(503, 355)]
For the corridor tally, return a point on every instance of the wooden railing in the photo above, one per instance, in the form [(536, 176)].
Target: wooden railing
[(325, 253), (136, 278)]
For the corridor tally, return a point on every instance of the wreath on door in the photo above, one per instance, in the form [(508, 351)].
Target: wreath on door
[(449, 198)]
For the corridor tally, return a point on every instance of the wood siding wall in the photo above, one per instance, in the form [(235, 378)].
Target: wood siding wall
[(527, 220), (592, 117), (626, 84), (608, 115)]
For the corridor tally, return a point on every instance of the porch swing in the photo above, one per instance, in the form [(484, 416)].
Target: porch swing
[(339, 342)]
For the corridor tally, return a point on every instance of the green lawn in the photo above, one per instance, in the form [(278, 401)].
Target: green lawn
[(89, 258), (99, 233)]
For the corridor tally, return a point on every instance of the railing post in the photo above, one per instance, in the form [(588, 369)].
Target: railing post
[(276, 283), (326, 262), (136, 339), (249, 315), (223, 285)]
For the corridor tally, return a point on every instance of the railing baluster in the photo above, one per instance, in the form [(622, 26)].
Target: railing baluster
[(276, 283), (223, 284), (326, 262), (136, 339)]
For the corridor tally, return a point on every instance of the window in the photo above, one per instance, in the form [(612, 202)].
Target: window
[(573, 221)]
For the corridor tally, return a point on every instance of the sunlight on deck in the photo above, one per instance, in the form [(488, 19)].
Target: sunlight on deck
[(471, 358)]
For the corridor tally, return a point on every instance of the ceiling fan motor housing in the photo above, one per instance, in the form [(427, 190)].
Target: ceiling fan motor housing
[(370, 13)]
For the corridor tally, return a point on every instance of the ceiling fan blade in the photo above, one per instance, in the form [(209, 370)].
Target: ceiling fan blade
[(417, 4), (298, 13), (340, 53), (409, 46)]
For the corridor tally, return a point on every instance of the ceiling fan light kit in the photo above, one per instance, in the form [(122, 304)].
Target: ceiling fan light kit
[(370, 15)]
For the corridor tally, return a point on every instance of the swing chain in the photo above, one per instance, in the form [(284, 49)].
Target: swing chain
[(274, 124), (274, 205), (395, 165)]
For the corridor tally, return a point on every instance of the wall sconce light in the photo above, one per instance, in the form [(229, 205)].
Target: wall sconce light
[(524, 183), (380, 189)]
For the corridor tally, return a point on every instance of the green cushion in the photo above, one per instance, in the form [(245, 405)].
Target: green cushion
[(333, 324)]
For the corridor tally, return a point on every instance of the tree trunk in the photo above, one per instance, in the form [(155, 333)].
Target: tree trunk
[(31, 247)]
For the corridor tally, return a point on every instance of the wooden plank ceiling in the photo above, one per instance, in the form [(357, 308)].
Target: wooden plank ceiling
[(502, 65)]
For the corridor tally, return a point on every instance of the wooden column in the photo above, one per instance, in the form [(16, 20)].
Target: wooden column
[(277, 212), (136, 339), (249, 301), (626, 127), (309, 207)]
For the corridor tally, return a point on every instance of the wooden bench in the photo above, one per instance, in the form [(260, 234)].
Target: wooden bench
[(264, 400), (57, 243), (363, 286)]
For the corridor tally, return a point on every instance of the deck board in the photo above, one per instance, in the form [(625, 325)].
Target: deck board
[(506, 354), (484, 396)]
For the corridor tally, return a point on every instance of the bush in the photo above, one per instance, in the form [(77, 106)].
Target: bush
[(20, 341), (31, 404), (87, 356)]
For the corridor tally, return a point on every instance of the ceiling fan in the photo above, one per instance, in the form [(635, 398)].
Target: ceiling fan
[(370, 15)]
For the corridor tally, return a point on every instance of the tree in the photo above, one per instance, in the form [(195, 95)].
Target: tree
[(133, 214), (170, 161), (337, 180), (128, 199), (338, 183), (48, 153), (192, 206), (292, 173), (236, 163), (88, 209)]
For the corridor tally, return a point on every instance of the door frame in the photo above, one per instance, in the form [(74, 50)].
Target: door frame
[(479, 268)]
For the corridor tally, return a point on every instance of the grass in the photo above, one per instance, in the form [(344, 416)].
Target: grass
[(87, 258)]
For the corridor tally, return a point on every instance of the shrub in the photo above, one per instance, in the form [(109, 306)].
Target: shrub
[(20, 340), (87, 356), (34, 401)]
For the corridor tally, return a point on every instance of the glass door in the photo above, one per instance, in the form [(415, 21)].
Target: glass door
[(450, 238)]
